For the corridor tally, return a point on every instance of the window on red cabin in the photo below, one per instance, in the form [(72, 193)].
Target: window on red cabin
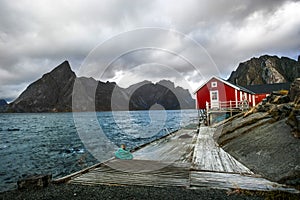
[(214, 95), (214, 84)]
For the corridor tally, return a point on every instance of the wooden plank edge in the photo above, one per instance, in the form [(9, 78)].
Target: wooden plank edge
[(193, 169), (78, 173)]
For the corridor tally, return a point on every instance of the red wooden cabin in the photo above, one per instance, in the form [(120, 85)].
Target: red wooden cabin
[(262, 91), (217, 93)]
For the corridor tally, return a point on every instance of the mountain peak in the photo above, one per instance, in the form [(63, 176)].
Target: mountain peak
[(52, 92), (63, 67), (166, 83), (265, 70)]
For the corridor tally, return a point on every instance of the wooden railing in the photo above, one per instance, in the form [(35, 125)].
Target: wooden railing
[(228, 105)]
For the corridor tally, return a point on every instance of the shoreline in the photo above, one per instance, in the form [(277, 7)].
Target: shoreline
[(70, 191)]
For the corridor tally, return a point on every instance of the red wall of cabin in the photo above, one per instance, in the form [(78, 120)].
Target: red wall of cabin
[(226, 93), (259, 97), (203, 96)]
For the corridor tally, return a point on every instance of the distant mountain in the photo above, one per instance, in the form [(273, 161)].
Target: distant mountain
[(266, 70), (163, 93), (3, 102), (61, 91), (51, 93)]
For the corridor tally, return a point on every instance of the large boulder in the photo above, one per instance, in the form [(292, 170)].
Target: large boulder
[(240, 126), (294, 119), (294, 116), (294, 94), (267, 147)]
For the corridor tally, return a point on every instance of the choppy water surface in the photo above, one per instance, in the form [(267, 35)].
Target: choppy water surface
[(50, 143)]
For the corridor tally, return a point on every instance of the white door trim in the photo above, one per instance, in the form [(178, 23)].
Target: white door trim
[(214, 99)]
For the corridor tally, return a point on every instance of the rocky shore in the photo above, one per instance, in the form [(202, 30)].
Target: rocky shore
[(266, 138), (69, 191)]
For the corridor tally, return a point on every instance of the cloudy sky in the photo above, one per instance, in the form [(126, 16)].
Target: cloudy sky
[(128, 41)]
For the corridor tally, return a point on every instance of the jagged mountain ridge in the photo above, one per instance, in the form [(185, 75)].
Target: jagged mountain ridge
[(266, 70), (62, 91), (163, 93)]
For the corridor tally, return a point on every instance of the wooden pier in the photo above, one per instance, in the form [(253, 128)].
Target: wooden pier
[(209, 157), (186, 158), (127, 173), (221, 109)]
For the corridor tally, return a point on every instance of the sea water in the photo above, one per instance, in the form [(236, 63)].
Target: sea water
[(54, 143)]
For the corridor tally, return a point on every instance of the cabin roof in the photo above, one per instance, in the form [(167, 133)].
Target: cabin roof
[(227, 83), (246, 90), (268, 88)]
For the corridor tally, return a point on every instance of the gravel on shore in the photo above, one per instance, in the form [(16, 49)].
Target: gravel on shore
[(69, 191), (110, 192)]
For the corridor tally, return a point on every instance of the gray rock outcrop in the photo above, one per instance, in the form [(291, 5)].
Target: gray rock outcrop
[(266, 138), (266, 70), (294, 93)]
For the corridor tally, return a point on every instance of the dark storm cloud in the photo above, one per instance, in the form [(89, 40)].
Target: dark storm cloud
[(36, 36)]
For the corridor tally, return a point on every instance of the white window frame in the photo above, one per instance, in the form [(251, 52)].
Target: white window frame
[(215, 94), (214, 84)]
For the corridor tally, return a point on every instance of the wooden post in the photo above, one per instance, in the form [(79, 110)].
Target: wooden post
[(207, 113), (230, 107)]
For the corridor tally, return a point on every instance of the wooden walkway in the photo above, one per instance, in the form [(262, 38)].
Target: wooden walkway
[(235, 181), (165, 162), (177, 147), (209, 157), (184, 158), (133, 173)]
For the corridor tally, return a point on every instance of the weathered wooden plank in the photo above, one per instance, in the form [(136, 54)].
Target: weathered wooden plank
[(177, 147), (78, 173), (209, 157), (235, 181), (168, 176)]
